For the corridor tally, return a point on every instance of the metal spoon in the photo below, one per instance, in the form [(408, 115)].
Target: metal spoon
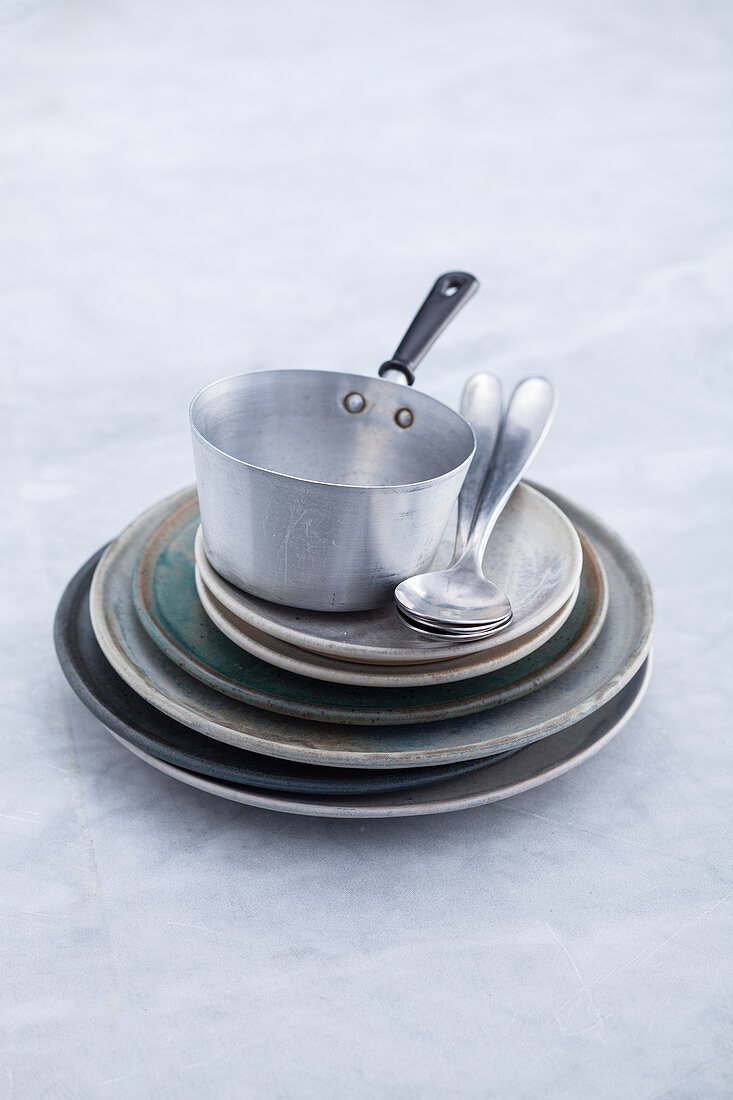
[(481, 404), (461, 596)]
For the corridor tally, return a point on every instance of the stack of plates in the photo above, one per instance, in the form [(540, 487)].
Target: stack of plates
[(355, 714)]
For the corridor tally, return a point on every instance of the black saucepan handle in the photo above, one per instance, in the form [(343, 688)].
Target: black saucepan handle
[(450, 292)]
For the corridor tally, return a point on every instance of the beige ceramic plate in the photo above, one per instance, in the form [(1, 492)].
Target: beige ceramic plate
[(318, 667), (534, 555)]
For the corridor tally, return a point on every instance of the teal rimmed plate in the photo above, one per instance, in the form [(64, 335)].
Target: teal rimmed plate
[(168, 606)]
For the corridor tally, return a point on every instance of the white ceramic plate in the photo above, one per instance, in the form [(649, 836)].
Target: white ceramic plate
[(530, 767), (534, 555)]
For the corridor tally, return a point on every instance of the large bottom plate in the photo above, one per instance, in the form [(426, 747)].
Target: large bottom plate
[(532, 766)]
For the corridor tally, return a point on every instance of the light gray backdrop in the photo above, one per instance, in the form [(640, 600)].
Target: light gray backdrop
[(190, 189)]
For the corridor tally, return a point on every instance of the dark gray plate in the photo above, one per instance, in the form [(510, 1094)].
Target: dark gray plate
[(530, 767), (153, 733)]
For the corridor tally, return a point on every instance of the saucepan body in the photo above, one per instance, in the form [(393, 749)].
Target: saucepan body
[(324, 490)]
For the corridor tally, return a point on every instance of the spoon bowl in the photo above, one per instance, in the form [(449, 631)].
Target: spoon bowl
[(454, 598)]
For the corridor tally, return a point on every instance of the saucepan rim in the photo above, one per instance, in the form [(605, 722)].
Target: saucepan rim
[(391, 487)]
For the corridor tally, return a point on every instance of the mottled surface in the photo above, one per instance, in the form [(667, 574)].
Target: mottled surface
[(191, 188)]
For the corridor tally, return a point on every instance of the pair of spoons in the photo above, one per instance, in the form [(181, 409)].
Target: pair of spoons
[(460, 601)]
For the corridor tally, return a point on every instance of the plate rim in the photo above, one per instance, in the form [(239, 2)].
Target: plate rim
[(357, 675)]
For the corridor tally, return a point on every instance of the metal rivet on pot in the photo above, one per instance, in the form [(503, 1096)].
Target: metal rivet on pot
[(354, 402), (403, 418)]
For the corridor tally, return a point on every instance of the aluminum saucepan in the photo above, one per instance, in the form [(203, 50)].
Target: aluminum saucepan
[(324, 490)]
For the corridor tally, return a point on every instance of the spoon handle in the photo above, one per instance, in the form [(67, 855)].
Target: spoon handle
[(481, 405), (526, 422)]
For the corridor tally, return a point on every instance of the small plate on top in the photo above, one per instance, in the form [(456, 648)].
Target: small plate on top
[(174, 616), (140, 726), (534, 555), (603, 671), (467, 671), (530, 767), (166, 604)]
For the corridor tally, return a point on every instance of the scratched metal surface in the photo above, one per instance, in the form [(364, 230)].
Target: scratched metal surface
[(191, 189)]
